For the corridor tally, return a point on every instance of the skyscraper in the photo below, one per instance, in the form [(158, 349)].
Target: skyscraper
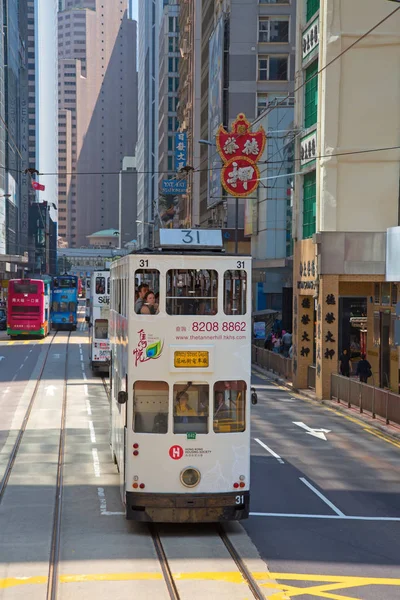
[(147, 154), (97, 113)]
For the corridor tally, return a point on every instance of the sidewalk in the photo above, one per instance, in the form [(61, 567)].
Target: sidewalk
[(392, 430)]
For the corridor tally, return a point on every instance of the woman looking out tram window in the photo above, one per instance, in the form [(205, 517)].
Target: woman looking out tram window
[(149, 304)]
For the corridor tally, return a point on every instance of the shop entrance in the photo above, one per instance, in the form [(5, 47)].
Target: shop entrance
[(353, 328)]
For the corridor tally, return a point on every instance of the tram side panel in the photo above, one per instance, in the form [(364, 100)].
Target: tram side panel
[(194, 468)]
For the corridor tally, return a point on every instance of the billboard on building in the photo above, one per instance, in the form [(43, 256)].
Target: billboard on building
[(215, 92)]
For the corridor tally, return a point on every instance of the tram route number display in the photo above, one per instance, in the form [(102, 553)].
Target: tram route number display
[(203, 326)]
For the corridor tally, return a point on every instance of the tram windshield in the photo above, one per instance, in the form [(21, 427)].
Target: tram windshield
[(192, 292), (150, 407), (229, 406), (235, 292)]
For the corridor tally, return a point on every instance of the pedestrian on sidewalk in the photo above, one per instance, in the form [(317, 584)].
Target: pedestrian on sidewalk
[(287, 342), (345, 363), (364, 369)]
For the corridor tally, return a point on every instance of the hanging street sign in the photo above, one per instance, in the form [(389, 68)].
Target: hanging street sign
[(240, 149)]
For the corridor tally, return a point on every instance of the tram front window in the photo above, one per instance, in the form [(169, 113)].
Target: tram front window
[(150, 407), (235, 292), (191, 404), (229, 406), (192, 292), (101, 329)]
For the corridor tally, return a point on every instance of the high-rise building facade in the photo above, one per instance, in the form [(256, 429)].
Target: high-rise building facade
[(347, 193), (251, 46), (97, 71), (168, 124), (150, 12)]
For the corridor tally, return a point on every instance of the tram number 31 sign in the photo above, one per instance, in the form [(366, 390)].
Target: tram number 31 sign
[(176, 452)]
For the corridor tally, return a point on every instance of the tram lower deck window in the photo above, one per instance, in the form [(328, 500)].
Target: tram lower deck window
[(150, 407), (191, 406), (229, 406), (192, 292)]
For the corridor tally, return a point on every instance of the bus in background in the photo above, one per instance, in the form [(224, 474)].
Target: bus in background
[(28, 307), (80, 293), (98, 323), (64, 302)]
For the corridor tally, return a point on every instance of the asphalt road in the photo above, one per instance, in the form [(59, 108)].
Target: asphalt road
[(18, 359), (327, 502)]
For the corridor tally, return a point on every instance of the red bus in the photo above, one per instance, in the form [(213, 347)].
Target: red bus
[(28, 307)]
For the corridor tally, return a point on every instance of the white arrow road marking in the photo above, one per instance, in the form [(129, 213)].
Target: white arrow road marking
[(323, 498), (274, 454), (56, 355), (319, 433), (1, 358), (50, 389)]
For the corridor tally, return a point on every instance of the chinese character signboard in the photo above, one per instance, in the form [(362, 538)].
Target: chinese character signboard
[(180, 150), (240, 149)]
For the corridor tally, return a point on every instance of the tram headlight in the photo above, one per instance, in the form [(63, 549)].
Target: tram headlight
[(190, 477)]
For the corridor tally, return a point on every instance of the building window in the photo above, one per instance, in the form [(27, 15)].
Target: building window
[(170, 163), (170, 104), (170, 142), (312, 7), (171, 24), (170, 84), (311, 95), (273, 29), (266, 100), (273, 68), (309, 204), (171, 44)]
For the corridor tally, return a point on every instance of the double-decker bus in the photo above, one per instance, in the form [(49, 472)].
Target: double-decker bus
[(28, 307), (98, 322), (180, 379), (64, 302)]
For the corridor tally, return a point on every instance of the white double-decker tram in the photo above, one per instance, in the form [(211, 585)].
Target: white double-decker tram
[(99, 342), (180, 331)]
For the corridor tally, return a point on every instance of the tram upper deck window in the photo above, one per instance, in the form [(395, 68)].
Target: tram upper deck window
[(229, 406), (192, 292), (147, 286), (150, 407), (100, 285), (235, 286), (191, 404)]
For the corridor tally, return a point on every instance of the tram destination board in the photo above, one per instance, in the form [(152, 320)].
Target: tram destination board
[(191, 358)]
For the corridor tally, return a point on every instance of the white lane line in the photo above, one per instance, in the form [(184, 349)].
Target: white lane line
[(84, 376), (25, 359), (268, 449), (92, 432), (322, 497), (103, 504), (6, 391), (96, 462), (85, 389), (14, 378), (88, 408), (330, 517)]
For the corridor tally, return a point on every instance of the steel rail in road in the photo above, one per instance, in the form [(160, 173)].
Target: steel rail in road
[(17, 443), (55, 538)]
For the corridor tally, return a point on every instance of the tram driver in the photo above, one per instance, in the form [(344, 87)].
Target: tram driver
[(221, 410), (183, 409)]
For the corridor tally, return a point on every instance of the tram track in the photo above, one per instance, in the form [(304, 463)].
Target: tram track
[(55, 537), (22, 429), (168, 575)]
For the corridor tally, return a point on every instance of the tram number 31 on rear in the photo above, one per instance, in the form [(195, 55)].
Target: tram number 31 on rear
[(239, 499)]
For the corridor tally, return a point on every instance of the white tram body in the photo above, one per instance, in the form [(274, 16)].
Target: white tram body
[(180, 381), (99, 321), (87, 298)]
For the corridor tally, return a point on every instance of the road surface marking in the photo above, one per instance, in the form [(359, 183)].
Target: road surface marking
[(333, 517), (319, 433), (92, 432), (274, 454), (103, 505), (322, 497), (383, 437), (96, 462)]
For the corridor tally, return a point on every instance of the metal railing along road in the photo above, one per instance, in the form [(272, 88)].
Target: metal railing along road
[(377, 401), (272, 361)]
